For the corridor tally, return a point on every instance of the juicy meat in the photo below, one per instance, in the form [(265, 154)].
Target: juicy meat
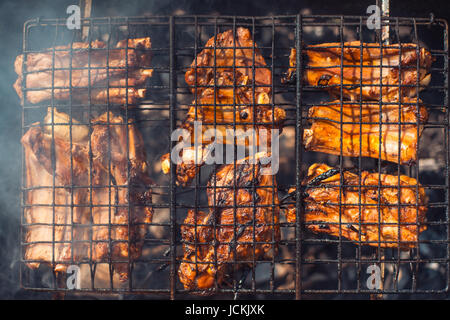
[(215, 239), (221, 117), (226, 51), (120, 202), (189, 164), (52, 223), (291, 73), (91, 67), (231, 98), (121, 194), (222, 111), (397, 227), (323, 62), (360, 131)]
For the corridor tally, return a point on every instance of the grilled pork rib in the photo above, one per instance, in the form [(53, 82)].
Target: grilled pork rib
[(404, 65), (397, 223), (214, 239), (121, 194), (229, 96), (371, 130), (80, 66), (226, 51), (229, 106), (221, 115), (52, 223), (120, 202)]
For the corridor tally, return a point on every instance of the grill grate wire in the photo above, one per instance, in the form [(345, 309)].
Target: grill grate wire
[(176, 40)]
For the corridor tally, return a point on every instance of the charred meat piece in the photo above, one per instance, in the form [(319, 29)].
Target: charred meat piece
[(370, 130), (71, 69), (291, 73), (229, 106), (227, 51), (392, 211), (191, 159), (120, 201), (220, 115), (56, 224), (121, 194), (229, 98), (243, 210), (395, 64)]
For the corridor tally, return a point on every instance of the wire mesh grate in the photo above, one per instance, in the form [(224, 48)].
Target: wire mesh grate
[(298, 262)]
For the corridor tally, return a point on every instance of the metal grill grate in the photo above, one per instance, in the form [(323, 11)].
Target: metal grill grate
[(306, 263)]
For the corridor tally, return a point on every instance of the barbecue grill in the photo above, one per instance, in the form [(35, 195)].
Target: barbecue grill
[(307, 264)]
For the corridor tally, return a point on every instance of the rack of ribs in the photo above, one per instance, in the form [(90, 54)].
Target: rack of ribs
[(229, 95), (121, 193), (388, 132), (240, 226), (111, 202), (403, 69), (52, 226), (391, 211), (86, 72)]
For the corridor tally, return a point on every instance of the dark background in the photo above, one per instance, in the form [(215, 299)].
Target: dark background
[(14, 13)]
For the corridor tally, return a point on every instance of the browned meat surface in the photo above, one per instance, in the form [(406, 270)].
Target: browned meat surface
[(226, 51), (214, 239), (188, 168), (49, 234), (90, 67), (222, 111), (221, 116), (227, 101), (378, 221), (291, 73), (360, 131), (122, 195), (324, 69), (119, 202)]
